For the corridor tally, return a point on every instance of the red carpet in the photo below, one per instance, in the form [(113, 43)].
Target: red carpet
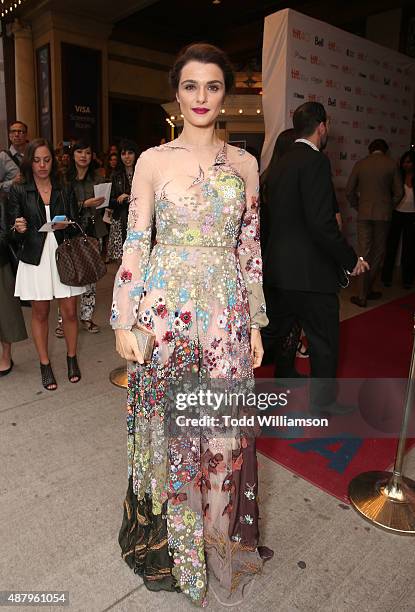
[(374, 344)]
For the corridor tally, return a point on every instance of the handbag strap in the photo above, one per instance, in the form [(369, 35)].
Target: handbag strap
[(64, 200)]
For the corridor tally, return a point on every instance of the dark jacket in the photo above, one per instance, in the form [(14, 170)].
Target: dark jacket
[(120, 185), (306, 250), (5, 234), (25, 201), (90, 218)]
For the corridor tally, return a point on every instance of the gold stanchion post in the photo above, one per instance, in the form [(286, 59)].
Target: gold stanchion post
[(119, 377), (387, 499)]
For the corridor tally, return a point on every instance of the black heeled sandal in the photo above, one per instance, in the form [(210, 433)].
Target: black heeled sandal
[(73, 369), (48, 378)]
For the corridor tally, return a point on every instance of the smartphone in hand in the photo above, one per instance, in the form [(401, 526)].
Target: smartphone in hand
[(59, 219)]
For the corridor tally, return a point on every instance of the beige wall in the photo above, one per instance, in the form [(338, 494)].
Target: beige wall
[(137, 72), (137, 81)]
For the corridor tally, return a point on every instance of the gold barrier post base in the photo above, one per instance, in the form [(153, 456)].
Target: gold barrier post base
[(119, 377), (386, 500)]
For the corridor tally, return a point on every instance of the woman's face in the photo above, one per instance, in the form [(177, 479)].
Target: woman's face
[(128, 158), (113, 161), (42, 163), (82, 157), (407, 165), (201, 93)]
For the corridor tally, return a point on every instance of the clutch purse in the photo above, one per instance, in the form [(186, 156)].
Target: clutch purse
[(145, 341)]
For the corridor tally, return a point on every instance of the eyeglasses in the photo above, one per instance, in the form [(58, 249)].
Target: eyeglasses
[(17, 131)]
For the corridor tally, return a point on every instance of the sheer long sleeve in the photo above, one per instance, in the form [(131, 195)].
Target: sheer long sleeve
[(129, 281), (249, 249)]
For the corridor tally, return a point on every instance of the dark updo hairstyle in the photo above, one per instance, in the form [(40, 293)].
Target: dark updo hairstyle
[(26, 167), (206, 54)]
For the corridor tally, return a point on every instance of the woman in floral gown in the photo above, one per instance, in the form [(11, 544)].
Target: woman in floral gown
[(191, 505)]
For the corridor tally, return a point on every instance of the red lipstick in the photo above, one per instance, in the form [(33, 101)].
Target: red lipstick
[(200, 111)]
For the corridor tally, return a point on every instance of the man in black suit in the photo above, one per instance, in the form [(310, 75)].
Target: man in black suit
[(307, 256)]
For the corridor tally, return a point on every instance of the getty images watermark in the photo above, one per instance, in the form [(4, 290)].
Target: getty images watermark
[(216, 409)]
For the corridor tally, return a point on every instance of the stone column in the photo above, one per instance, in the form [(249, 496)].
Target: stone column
[(25, 76)]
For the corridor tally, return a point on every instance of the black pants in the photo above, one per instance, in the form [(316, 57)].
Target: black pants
[(318, 315), (403, 224)]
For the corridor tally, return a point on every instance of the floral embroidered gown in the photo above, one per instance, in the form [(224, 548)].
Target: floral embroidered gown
[(191, 505)]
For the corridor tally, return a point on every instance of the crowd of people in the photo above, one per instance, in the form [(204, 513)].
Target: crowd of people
[(38, 183), (184, 220)]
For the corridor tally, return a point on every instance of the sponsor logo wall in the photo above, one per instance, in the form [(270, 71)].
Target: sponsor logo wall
[(367, 90)]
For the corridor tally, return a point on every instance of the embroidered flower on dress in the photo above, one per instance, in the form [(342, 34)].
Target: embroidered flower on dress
[(186, 317), (249, 492), (168, 337), (115, 313), (125, 276), (222, 321), (146, 318), (136, 292), (159, 307), (246, 520)]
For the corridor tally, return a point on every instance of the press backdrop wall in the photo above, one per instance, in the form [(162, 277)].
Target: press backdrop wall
[(367, 90)]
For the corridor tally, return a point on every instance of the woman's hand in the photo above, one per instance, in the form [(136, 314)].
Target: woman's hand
[(257, 351), (20, 225), (60, 226), (126, 345), (93, 202), (122, 197)]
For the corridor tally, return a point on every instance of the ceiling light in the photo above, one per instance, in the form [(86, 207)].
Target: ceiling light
[(240, 111), (258, 111)]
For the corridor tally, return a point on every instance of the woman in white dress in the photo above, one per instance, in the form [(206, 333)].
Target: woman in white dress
[(37, 200)]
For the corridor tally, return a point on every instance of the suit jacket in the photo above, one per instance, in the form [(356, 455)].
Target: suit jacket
[(25, 201), (374, 187), (306, 250)]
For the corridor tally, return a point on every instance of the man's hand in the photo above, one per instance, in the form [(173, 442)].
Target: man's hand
[(126, 345), (257, 350), (361, 267), (122, 197), (17, 178)]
